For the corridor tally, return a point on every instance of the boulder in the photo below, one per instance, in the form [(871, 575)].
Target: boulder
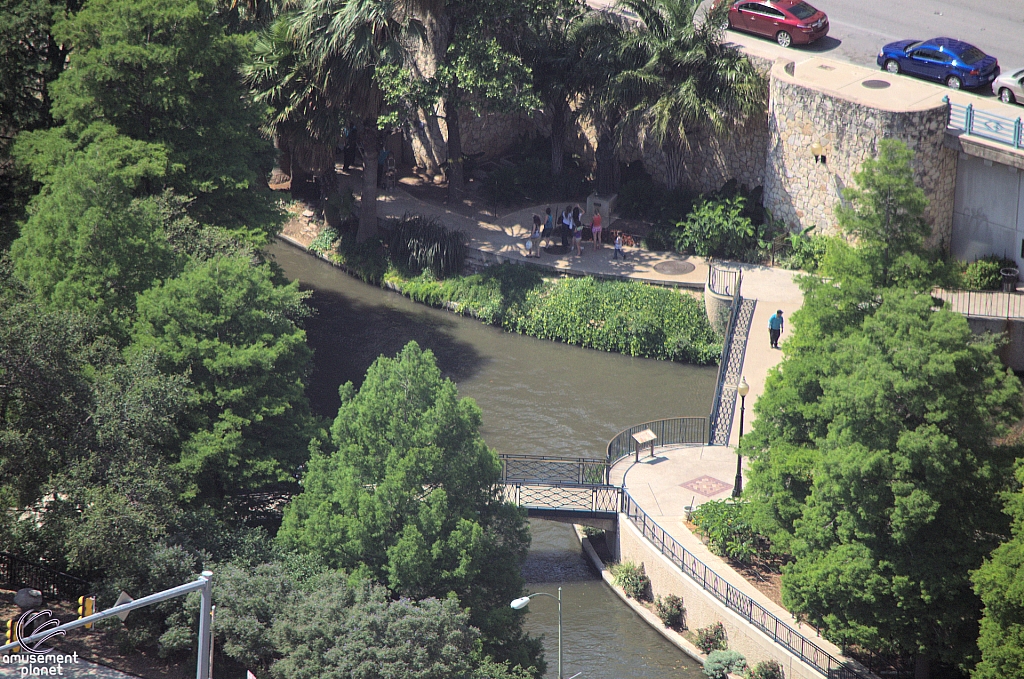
[(28, 598)]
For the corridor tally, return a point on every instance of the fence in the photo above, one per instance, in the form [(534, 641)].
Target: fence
[(735, 600), (723, 361), (670, 431), (723, 281), (524, 468), (16, 572), (564, 497), (982, 303), (981, 123)]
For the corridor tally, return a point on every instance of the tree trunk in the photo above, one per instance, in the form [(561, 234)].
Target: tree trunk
[(922, 667), (328, 190), (284, 155), (607, 164), (368, 200), (674, 163), (456, 179), (558, 122)]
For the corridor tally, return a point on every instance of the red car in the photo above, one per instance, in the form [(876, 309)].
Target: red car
[(788, 22)]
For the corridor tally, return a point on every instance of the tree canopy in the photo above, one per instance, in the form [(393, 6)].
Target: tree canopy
[(406, 497)]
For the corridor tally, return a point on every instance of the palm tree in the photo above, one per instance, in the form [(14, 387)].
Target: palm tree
[(681, 79)]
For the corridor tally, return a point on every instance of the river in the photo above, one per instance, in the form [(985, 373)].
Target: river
[(538, 398)]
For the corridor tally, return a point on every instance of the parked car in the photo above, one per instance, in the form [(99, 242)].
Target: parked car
[(1009, 87), (788, 22), (954, 62)]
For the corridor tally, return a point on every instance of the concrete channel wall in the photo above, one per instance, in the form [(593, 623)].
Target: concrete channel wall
[(702, 609)]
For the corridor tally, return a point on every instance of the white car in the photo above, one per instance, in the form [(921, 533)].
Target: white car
[(1009, 87)]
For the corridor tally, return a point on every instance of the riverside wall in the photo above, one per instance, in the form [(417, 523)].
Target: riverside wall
[(702, 609)]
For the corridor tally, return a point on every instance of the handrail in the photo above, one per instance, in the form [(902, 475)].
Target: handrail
[(780, 631), (556, 469), (983, 303), (669, 431), (723, 361), (981, 123)]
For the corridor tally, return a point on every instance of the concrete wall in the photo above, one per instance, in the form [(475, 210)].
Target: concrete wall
[(1012, 352), (988, 218), (702, 609), (802, 111)]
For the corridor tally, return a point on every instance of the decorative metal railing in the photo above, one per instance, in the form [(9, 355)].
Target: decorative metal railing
[(779, 631), (983, 303), (16, 572), (671, 431), (723, 281), (567, 497), (723, 361), (526, 468), (981, 123)]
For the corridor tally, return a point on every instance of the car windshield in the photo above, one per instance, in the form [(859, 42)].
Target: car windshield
[(972, 56), (1018, 74), (802, 11)]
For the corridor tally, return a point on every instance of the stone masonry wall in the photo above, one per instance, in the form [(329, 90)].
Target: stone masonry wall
[(804, 193)]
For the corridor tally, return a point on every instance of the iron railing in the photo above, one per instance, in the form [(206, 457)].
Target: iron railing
[(16, 572), (981, 123), (983, 303), (723, 281), (670, 431), (751, 611), (566, 497), (723, 360), (553, 469)]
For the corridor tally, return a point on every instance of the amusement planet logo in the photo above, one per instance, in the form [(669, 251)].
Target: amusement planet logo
[(34, 660)]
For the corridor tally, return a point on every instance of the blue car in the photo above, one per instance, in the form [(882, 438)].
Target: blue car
[(954, 62)]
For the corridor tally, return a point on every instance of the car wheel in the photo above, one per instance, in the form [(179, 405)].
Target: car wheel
[(892, 66), (784, 39), (1006, 96), (954, 83)]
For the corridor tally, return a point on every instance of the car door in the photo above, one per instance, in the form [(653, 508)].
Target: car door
[(921, 62), (773, 21), (752, 19)]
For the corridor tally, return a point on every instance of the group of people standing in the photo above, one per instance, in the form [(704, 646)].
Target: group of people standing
[(569, 227)]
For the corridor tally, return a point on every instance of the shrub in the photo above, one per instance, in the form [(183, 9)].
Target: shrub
[(671, 611), (632, 579), (591, 532), (720, 663), (728, 531), (717, 228), (417, 244), (767, 669), (983, 274), (711, 638), (806, 250), (324, 241)]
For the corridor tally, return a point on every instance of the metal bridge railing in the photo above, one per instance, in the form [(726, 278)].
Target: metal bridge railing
[(981, 123), (670, 431), (570, 497), (723, 361), (983, 303), (553, 469), (779, 631)]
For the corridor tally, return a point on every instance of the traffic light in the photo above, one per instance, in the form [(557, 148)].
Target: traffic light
[(86, 604), (12, 634)]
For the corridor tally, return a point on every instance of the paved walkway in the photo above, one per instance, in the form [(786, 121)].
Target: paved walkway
[(77, 670)]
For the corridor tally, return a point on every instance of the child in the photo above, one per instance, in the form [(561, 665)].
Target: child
[(618, 247)]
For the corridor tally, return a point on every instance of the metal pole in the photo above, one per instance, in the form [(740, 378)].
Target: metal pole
[(205, 636), (737, 487), (559, 633)]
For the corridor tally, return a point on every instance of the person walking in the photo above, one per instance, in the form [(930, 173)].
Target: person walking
[(618, 248), (577, 230), (534, 242), (595, 228), (775, 326)]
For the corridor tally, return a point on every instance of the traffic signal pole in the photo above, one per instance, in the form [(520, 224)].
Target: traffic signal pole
[(202, 585)]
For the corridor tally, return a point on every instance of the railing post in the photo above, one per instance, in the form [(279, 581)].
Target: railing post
[(969, 119), (1018, 134)]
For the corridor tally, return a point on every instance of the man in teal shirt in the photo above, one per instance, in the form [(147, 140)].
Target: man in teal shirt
[(775, 328)]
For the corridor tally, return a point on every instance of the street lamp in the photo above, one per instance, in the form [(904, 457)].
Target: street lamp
[(521, 603), (743, 389)]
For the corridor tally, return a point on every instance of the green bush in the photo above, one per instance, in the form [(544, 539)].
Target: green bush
[(632, 579), (767, 669), (417, 244), (324, 241), (806, 250), (712, 638), (728, 530), (717, 228), (983, 274), (671, 611), (721, 663)]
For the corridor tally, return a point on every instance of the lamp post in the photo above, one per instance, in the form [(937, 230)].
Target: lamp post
[(743, 389), (521, 602)]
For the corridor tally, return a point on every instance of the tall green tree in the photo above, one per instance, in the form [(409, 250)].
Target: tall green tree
[(889, 432), (1000, 584), (681, 78), (233, 330), (166, 73), (885, 214), (406, 496)]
